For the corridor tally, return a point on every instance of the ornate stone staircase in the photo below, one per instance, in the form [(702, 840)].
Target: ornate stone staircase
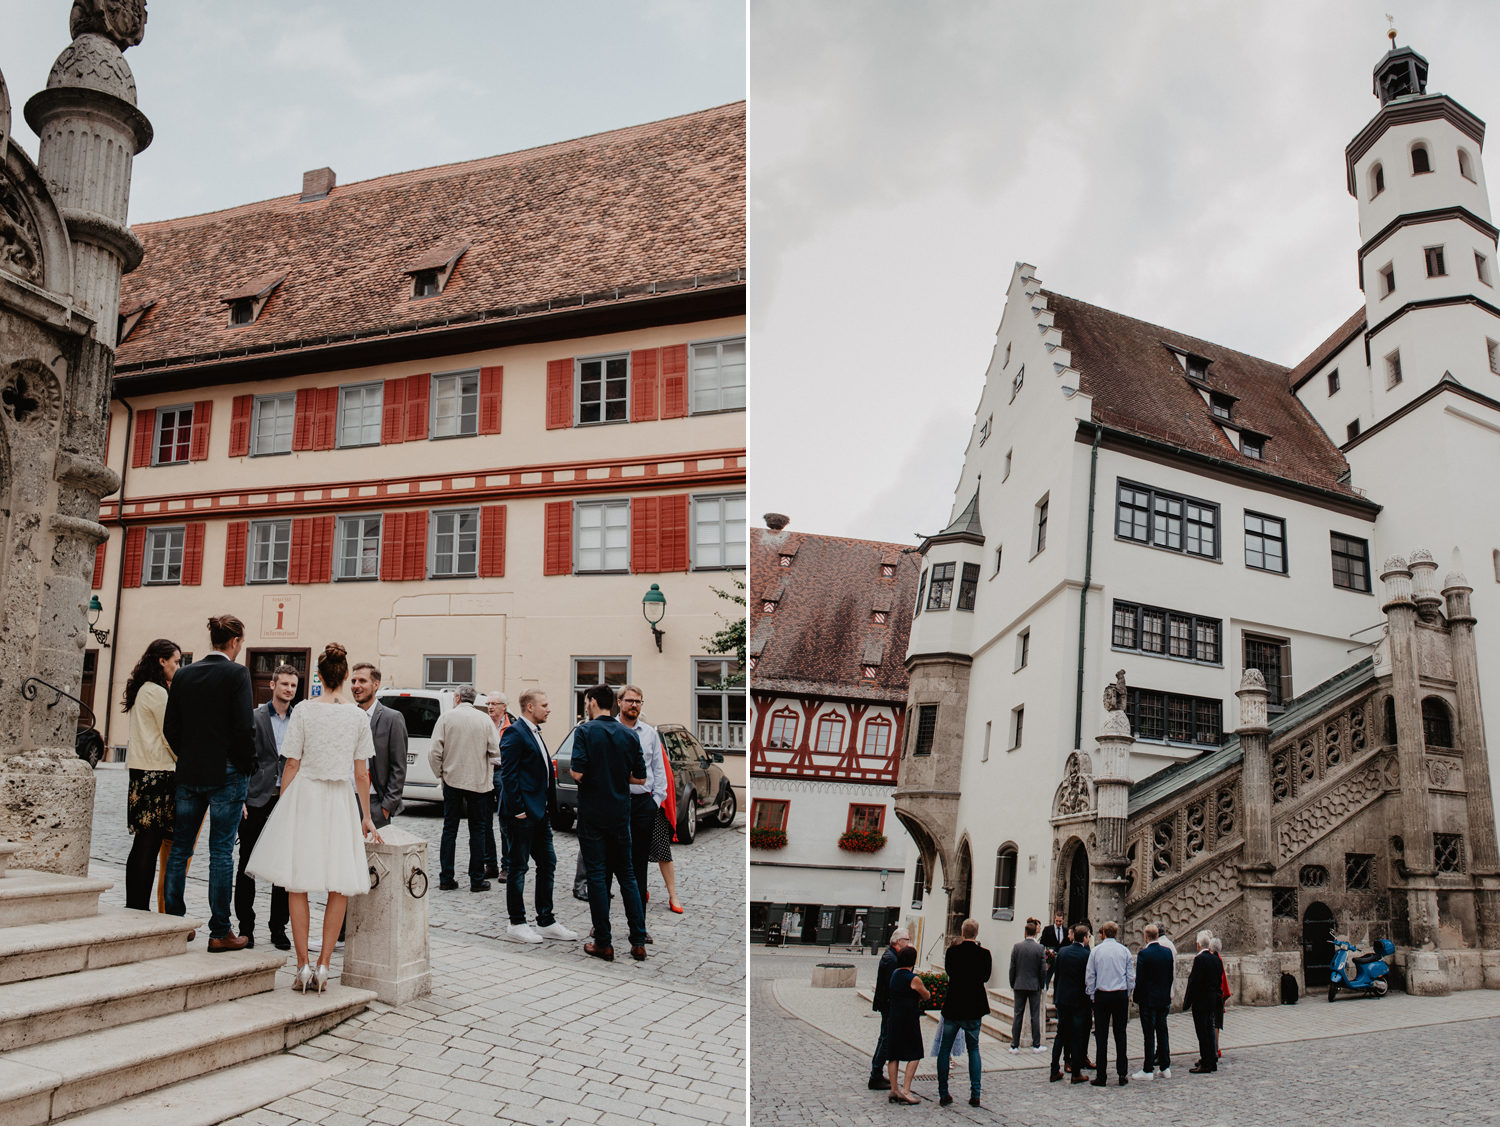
[(97, 1005)]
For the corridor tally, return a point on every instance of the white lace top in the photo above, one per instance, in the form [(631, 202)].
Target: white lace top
[(328, 738)]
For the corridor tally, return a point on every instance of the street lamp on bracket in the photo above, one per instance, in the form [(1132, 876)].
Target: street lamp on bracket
[(654, 608)]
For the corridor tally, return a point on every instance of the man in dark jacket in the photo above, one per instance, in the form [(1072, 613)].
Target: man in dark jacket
[(1028, 975), (271, 720), (1203, 997), (1154, 970), (208, 725), (968, 966), (1054, 938), (882, 1004), (1071, 999)]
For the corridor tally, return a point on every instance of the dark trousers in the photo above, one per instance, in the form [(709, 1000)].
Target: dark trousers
[(491, 860), (530, 841), (606, 853), (1154, 1033), (1111, 1007), (1070, 1046), (642, 823), (379, 820), (460, 805), (877, 1062), (1208, 1051), (1027, 999), (244, 885), (140, 868), (222, 804)]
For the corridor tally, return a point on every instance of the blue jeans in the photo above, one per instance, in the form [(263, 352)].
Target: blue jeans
[(223, 805), (945, 1053), (606, 853), (460, 805), (530, 840)]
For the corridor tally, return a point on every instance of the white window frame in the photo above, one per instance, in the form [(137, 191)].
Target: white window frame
[(462, 422), (1392, 369), (280, 440), (602, 360), (364, 423), (599, 566), (451, 683), (176, 411), (579, 688), (728, 664), (724, 544), (253, 546), (454, 570), (1482, 269), (342, 538), (716, 387), (175, 536)]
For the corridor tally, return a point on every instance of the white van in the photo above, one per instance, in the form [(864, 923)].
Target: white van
[(421, 709)]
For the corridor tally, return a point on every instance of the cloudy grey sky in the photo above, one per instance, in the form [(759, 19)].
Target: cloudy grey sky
[(246, 96), (1179, 162)]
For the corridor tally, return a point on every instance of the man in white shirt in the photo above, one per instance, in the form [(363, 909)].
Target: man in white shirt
[(650, 835), (1108, 982)]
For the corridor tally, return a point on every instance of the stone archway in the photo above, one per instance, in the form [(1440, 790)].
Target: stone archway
[(1075, 899), (961, 894), (1318, 926)]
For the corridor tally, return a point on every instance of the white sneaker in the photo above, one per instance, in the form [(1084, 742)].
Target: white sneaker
[(522, 933), (1164, 1073), (555, 930), (1039, 1048), (1142, 1075), (1014, 1049)]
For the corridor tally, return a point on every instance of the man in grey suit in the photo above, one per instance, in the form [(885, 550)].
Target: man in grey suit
[(388, 729), (270, 721), (1028, 970)]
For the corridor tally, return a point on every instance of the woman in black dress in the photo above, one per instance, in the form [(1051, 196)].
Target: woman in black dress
[(905, 1039)]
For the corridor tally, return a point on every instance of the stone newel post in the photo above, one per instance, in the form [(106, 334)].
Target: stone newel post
[(1260, 970), (1112, 799)]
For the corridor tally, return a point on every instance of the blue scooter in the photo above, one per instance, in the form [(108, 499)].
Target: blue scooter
[(1367, 973)]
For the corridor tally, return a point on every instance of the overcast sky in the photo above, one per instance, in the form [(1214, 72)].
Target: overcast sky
[(246, 95), (1178, 162)]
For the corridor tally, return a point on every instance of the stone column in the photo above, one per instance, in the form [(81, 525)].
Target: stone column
[(1416, 828), (1484, 857), (1112, 801), (1257, 866)]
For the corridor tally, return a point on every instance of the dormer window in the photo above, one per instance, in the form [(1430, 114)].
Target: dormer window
[(430, 273), (786, 561), (1420, 161), (1377, 180), (1252, 445), (425, 284), (1221, 405), (245, 302), (130, 318), (1197, 368), (242, 312)]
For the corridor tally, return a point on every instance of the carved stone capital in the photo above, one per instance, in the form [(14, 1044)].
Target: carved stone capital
[(122, 22), (119, 240), (86, 473)]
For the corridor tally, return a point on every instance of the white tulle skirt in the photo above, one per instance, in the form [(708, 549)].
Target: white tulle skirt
[(313, 842)]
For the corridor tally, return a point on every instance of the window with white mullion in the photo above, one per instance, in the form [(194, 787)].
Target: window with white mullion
[(174, 435), (455, 542), (164, 555), (602, 535), (359, 547), (359, 414), (718, 376), (455, 405), (270, 550), (604, 389), (1166, 633), (271, 429), (719, 531)]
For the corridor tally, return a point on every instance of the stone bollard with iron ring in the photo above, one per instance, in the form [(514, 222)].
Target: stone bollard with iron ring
[(385, 947)]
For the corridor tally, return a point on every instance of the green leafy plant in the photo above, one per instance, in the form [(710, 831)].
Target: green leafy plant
[(862, 841), (763, 837), (731, 638), (936, 981)]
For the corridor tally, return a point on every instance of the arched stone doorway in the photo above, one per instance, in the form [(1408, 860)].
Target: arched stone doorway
[(960, 898), (1076, 894), (1318, 926)]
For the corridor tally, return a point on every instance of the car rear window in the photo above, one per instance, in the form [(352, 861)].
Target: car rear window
[(420, 713), (678, 747)]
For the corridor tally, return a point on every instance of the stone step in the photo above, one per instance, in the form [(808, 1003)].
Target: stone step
[(8, 849), (111, 938), (31, 897), (54, 1080), (1003, 1009), (49, 1009)]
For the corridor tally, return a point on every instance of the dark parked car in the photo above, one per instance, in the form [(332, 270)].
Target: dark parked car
[(89, 745), (702, 788)]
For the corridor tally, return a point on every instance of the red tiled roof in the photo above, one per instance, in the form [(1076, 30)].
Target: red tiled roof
[(1138, 386), (822, 632), (660, 202), (1320, 355)]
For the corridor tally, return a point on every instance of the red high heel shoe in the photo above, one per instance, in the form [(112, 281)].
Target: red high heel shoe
[(676, 908)]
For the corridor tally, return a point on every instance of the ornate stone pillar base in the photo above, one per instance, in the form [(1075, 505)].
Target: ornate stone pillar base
[(1259, 981), (47, 808), (1427, 974)]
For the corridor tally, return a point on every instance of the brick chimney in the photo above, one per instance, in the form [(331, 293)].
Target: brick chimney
[(317, 183)]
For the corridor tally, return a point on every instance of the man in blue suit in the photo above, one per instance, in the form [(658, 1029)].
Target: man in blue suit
[(606, 760), (1069, 972), (1155, 967), (528, 801)]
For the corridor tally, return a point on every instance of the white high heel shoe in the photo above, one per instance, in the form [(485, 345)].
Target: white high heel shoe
[(322, 977), (304, 978)]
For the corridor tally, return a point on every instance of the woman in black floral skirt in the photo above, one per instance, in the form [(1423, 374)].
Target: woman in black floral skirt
[(153, 769)]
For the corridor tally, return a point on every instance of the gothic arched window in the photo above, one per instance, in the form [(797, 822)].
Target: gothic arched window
[(1377, 180), (1437, 729), (1005, 877), (1465, 165), (1420, 161)]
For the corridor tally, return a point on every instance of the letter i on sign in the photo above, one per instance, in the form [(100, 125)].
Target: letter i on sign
[(280, 616)]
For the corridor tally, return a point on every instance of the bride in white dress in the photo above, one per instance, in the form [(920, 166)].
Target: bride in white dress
[(314, 839)]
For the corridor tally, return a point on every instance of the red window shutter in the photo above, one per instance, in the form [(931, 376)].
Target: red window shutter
[(560, 397), (392, 533), (236, 536), (393, 412), (135, 555), (645, 534), (301, 551), (491, 381), (418, 390), (325, 418), (674, 382), (673, 513), (239, 425), (99, 553), (557, 540), (192, 554), (203, 411), (414, 552), (320, 562), (145, 435), (492, 541), (302, 420), (643, 379)]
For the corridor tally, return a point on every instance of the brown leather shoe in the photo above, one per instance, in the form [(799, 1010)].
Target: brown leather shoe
[(605, 953), (230, 942), (638, 953)]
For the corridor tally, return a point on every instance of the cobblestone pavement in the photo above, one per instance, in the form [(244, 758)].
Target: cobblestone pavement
[(1435, 1074), (527, 1033)]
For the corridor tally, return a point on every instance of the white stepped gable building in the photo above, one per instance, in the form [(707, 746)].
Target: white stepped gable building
[(1134, 499)]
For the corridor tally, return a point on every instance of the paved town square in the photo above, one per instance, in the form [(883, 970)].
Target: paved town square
[(511, 1033), (1398, 1060)]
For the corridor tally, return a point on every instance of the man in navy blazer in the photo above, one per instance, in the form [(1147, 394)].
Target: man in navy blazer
[(1155, 968), (528, 802), (1069, 972), (607, 758)]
